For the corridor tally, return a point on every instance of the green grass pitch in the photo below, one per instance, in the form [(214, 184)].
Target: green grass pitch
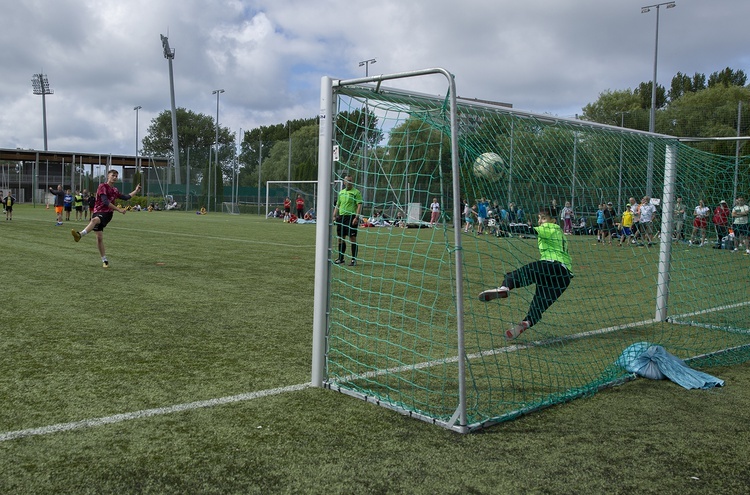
[(183, 369)]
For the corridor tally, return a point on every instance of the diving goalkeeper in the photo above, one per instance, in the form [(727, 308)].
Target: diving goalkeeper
[(551, 274)]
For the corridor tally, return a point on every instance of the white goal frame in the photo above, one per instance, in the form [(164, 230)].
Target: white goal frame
[(290, 182), (231, 208)]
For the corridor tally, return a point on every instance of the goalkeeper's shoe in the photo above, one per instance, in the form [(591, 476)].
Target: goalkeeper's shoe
[(76, 235), (517, 330), (491, 294)]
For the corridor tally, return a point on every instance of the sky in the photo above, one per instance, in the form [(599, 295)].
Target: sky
[(105, 57)]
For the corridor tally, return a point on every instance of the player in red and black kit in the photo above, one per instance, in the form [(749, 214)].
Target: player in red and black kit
[(104, 209), (300, 203), (287, 206)]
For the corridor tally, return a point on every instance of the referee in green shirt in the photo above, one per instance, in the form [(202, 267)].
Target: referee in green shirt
[(346, 218), (551, 274)]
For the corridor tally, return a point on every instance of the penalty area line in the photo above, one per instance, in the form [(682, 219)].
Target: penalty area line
[(145, 413)]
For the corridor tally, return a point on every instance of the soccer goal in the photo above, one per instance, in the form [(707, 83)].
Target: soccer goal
[(405, 329), (278, 190), (231, 208)]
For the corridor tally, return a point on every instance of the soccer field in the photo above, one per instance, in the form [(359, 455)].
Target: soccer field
[(183, 368)]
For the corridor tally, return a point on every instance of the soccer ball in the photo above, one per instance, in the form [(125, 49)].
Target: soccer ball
[(489, 166)]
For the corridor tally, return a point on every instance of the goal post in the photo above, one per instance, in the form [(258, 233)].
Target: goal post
[(307, 189), (231, 208), (404, 327)]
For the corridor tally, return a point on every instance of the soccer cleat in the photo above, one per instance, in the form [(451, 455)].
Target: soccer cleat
[(491, 294), (58, 224), (105, 264), (517, 330), (76, 235), (353, 262), (339, 261)]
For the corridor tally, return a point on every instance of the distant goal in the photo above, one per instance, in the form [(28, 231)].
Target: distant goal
[(231, 208)]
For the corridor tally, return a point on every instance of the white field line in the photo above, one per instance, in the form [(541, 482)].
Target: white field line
[(118, 418)]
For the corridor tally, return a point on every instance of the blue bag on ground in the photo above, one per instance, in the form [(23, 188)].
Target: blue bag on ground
[(654, 362)]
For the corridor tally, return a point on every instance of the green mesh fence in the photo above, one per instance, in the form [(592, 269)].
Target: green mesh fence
[(393, 328)]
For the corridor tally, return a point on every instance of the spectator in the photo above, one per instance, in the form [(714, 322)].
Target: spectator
[(300, 204), (8, 202), (68, 204), (567, 217), (646, 226), (700, 223), (59, 202), (626, 223), (679, 219), (721, 222), (740, 224), (434, 212)]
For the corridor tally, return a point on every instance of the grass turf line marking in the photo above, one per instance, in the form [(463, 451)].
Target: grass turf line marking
[(119, 418)]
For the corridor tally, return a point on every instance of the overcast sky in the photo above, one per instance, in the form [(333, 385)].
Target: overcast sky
[(104, 57)]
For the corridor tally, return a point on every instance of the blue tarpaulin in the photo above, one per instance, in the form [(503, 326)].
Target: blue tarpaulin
[(653, 361)]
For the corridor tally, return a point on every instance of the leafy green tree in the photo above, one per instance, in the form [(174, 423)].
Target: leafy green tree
[(682, 84), (613, 108), (727, 77), (196, 132), (644, 95), (259, 142)]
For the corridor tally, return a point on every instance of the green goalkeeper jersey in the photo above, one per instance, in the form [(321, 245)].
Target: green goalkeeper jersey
[(348, 201), (553, 246)]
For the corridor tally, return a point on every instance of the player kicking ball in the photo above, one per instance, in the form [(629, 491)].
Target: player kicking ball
[(551, 274), (104, 208)]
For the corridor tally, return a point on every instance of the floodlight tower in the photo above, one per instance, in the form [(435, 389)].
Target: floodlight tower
[(652, 114), (169, 55), (40, 84)]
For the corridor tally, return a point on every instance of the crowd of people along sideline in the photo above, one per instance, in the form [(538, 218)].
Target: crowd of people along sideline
[(723, 227)]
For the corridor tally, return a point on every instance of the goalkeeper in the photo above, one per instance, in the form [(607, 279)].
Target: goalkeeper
[(551, 274)]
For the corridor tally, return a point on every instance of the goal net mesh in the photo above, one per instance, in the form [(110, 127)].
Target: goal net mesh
[(392, 330)]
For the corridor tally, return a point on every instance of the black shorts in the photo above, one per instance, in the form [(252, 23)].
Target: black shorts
[(68, 207), (344, 226), (79, 208), (104, 219), (9, 209)]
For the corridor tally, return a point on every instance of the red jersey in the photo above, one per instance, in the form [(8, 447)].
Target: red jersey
[(112, 194), (300, 203)]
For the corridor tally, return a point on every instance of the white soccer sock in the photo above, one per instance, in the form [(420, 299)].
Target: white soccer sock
[(83, 232)]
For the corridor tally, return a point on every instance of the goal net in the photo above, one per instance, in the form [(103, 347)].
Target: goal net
[(277, 191), (231, 208), (404, 327)]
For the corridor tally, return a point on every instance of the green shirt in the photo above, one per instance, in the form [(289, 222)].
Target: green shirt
[(553, 246), (348, 201)]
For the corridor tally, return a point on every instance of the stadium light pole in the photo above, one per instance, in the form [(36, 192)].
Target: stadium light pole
[(169, 55), (366, 65), (40, 84), (652, 114), (216, 92), (137, 162)]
